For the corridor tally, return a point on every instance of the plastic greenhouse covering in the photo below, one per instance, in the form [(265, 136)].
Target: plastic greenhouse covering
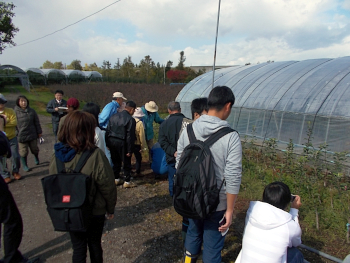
[(11, 71), (35, 75), (92, 75), (54, 75), (74, 75), (283, 100)]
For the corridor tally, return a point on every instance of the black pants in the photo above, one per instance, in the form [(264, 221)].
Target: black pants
[(138, 157), (118, 156), (92, 238), (13, 226)]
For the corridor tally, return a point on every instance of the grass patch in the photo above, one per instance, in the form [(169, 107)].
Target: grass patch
[(38, 97)]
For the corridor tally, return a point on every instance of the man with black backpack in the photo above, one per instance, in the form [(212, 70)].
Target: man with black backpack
[(211, 216)]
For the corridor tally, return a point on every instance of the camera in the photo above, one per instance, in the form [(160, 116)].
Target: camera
[(292, 198)]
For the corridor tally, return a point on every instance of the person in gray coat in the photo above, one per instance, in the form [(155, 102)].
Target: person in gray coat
[(29, 131)]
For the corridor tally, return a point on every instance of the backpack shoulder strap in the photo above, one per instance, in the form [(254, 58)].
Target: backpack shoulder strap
[(190, 133), (60, 166), (217, 135), (83, 159)]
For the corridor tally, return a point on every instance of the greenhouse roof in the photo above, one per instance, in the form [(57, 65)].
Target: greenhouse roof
[(48, 71), (20, 72), (316, 86), (68, 72), (36, 70), (90, 74)]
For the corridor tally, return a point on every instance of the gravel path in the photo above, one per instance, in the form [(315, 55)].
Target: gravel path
[(145, 228)]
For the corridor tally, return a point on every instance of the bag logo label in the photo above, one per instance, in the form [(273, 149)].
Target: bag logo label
[(66, 199)]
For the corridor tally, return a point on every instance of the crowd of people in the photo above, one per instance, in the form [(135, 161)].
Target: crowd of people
[(122, 129)]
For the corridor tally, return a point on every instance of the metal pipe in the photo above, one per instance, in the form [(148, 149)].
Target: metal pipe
[(216, 40), (321, 253)]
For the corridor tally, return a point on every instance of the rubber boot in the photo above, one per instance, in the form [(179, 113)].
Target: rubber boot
[(188, 258), (24, 164), (36, 158)]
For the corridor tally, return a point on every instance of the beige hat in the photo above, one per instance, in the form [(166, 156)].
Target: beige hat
[(119, 95), (138, 113), (151, 106)]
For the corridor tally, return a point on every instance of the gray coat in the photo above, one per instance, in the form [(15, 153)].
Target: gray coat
[(227, 154), (28, 124)]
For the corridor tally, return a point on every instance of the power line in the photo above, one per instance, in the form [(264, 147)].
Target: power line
[(66, 26)]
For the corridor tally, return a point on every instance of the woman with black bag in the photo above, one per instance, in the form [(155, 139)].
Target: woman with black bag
[(77, 136)]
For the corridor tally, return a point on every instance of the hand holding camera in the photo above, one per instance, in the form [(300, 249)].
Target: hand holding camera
[(295, 201)]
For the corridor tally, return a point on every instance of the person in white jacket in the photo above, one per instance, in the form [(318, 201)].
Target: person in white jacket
[(271, 234)]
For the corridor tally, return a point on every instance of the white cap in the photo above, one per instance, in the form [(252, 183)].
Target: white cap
[(119, 95)]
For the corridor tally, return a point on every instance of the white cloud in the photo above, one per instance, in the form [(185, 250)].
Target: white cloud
[(250, 31)]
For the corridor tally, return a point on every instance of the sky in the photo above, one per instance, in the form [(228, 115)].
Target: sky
[(250, 31)]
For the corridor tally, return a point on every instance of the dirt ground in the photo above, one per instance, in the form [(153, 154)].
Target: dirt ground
[(146, 228)]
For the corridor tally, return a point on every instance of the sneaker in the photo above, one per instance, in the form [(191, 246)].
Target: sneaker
[(7, 180), (17, 176), (129, 185), (118, 181)]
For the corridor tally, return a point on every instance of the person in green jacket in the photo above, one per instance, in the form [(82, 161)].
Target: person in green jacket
[(77, 135), (151, 115)]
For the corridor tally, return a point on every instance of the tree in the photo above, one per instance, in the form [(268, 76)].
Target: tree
[(169, 64), (146, 66), (48, 64), (128, 67), (7, 28), (58, 65), (117, 65), (182, 60), (177, 76), (76, 64)]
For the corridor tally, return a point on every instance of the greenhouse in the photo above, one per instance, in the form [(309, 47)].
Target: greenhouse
[(92, 75), (284, 100), (36, 76), (54, 76), (10, 74), (74, 76)]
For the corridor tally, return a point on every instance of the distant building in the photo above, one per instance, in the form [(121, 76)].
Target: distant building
[(207, 68)]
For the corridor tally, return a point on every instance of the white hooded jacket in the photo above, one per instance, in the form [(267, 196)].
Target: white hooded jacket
[(269, 231)]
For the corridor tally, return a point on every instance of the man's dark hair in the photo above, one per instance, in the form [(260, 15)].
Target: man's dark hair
[(59, 91), (219, 96), (199, 105), (174, 106), (277, 194), (22, 97), (92, 108), (130, 104)]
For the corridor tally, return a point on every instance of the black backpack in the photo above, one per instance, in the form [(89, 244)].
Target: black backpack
[(67, 197), (196, 194)]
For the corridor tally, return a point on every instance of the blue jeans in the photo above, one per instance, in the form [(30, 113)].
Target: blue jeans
[(14, 159), (294, 255), (171, 173), (206, 231)]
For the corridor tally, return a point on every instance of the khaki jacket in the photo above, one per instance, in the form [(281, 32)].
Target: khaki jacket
[(140, 134), (103, 191)]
